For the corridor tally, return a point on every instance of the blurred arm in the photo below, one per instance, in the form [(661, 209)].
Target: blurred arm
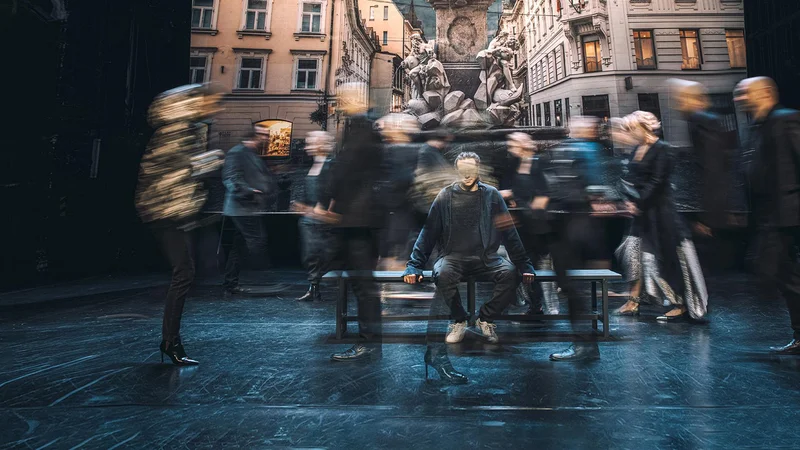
[(427, 239), (233, 177)]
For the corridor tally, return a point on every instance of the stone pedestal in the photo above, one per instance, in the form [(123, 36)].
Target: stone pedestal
[(464, 77), (460, 30)]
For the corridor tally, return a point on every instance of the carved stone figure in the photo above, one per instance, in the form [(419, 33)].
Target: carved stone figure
[(498, 93), (415, 63)]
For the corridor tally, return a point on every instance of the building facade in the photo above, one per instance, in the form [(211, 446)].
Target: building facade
[(278, 63), (607, 58)]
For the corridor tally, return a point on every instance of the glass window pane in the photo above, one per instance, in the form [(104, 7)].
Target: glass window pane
[(262, 20), (251, 63), (306, 22), (199, 76), (312, 7), (257, 4), (301, 79), (208, 3), (255, 79), (307, 64), (196, 18), (243, 78), (315, 27), (312, 80), (197, 61), (250, 22), (207, 18)]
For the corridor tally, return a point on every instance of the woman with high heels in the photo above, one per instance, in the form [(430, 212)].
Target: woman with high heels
[(658, 254), (315, 233)]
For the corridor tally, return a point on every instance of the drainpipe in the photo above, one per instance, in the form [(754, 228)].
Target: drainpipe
[(330, 65)]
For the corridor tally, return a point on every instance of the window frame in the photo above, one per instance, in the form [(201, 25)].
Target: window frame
[(385, 37), (547, 121), (744, 47), (206, 68), (296, 70), (684, 47), (385, 13), (637, 49), (267, 19), (595, 40), (214, 10), (372, 10), (538, 114), (263, 79), (322, 15), (558, 113)]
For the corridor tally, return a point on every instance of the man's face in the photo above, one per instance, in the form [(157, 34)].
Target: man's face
[(468, 172), (262, 135), (743, 97)]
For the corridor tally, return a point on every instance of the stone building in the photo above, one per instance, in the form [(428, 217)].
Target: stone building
[(608, 58), (278, 63)]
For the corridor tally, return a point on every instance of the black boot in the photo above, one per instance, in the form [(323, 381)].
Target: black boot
[(358, 352), (577, 352), (313, 294), (442, 365), (176, 354)]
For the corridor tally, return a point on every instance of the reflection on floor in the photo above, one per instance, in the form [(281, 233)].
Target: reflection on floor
[(83, 370)]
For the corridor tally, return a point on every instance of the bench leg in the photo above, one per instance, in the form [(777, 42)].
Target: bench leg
[(471, 301), (341, 309), (594, 304), (605, 308)]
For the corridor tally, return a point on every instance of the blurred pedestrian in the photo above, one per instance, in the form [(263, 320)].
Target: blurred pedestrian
[(658, 253), (775, 181)]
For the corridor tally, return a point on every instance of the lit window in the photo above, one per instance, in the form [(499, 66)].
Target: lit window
[(312, 18), (251, 73), (591, 55), (736, 48), (202, 11), (306, 75), (690, 48), (645, 49)]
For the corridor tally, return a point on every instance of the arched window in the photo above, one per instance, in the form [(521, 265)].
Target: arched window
[(280, 138)]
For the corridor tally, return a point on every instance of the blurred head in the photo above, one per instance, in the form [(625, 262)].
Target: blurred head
[(521, 145), (642, 126), (621, 132), (468, 166), (351, 98), (257, 136), (192, 102), (319, 143), (584, 127), (689, 96), (756, 95), (398, 127)]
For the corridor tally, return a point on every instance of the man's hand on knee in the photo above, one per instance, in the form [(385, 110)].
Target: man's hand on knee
[(412, 279), (528, 278)]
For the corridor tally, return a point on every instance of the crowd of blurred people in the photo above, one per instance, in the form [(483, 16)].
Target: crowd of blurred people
[(364, 209)]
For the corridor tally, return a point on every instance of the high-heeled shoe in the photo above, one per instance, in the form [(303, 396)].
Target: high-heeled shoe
[(313, 294), (176, 354), (442, 365), (676, 318), (630, 312)]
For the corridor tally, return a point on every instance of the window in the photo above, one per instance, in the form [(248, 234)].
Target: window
[(385, 13), (563, 62), (559, 112), (385, 37), (547, 70), (197, 69), (312, 18), (306, 74), (202, 11), (547, 114), (649, 103), (736, 48), (280, 138), (645, 49), (539, 115), (690, 48), (372, 12), (251, 73), (566, 107), (591, 54), (596, 105), (255, 17)]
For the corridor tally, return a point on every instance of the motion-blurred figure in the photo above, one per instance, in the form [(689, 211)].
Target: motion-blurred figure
[(315, 234), (358, 214), (468, 221), (658, 253), (249, 188), (526, 188), (711, 153), (776, 188), (170, 194)]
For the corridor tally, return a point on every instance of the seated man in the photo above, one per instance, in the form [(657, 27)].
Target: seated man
[(469, 220)]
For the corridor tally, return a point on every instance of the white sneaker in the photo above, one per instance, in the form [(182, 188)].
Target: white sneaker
[(487, 331), (456, 332)]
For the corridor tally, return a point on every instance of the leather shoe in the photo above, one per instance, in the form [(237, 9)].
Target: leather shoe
[(792, 348), (577, 352), (237, 290), (357, 353)]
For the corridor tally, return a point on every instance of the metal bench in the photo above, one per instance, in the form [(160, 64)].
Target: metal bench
[(602, 276)]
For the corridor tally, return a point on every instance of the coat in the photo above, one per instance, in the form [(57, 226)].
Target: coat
[(245, 172)]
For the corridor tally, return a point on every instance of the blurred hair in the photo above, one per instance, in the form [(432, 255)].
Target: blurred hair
[(522, 139), (644, 119), (467, 155), (691, 91), (399, 123)]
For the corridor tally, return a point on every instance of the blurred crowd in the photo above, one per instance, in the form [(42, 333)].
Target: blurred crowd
[(438, 207)]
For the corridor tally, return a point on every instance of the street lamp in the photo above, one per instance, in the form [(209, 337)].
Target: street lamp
[(577, 5)]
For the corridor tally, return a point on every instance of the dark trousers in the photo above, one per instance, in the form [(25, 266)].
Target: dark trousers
[(779, 261), (250, 239), (356, 249), (317, 246), (177, 247), (570, 247)]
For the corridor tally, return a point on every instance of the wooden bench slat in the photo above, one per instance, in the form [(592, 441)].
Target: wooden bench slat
[(541, 275)]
